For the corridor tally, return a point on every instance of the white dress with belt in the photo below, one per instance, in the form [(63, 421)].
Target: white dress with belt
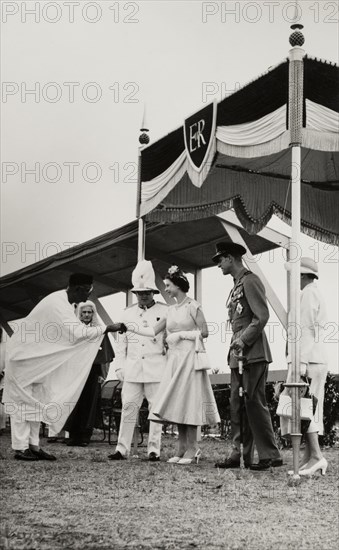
[(185, 395)]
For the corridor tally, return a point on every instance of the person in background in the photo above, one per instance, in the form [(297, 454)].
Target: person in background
[(248, 314), (48, 361), (313, 363), (140, 362), (81, 422), (3, 415)]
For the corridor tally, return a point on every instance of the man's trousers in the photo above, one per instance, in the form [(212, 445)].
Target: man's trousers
[(257, 425), (132, 396), (24, 434)]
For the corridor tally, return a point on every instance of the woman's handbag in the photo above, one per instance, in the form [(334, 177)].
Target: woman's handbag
[(285, 407), (308, 404), (201, 360)]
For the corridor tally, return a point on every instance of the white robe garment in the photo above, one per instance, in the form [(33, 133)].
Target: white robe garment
[(48, 361)]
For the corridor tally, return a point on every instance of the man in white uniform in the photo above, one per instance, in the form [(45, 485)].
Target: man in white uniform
[(139, 362), (48, 361)]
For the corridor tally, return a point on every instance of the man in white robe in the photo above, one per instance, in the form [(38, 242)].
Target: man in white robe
[(48, 361)]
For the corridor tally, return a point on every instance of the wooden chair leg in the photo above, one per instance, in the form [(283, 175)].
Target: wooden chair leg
[(109, 428), (103, 425)]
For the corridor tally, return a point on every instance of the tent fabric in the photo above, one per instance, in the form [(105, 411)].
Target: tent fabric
[(112, 257), (251, 168)]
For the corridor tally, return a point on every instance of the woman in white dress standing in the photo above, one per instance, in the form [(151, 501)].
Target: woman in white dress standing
[(185, 396)]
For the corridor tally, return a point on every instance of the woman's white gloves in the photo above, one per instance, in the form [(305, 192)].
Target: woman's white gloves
[(174, 337)]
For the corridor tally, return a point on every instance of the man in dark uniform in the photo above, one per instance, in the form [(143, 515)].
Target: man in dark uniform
[(248, 314)]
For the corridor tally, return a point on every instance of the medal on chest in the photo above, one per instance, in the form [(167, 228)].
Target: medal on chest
[(239, 308)]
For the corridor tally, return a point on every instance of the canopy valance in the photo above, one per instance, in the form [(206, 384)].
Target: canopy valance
[(246, 157)]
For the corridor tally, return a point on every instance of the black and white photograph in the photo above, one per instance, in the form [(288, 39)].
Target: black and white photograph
[(169, 283)]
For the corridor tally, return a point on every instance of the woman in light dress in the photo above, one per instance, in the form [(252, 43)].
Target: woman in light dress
[(185, 396), (313, 364)]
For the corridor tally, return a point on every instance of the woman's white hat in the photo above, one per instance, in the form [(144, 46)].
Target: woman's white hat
[(143, 277), (309, 266)]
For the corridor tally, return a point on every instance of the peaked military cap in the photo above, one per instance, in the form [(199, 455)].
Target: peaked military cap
[(223, 249)]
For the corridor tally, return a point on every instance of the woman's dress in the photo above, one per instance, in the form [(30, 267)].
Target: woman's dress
[(185, 395), (83, 418)]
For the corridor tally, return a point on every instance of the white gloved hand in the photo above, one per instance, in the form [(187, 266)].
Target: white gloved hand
[(120, 374), (189, 334), (173, 338)]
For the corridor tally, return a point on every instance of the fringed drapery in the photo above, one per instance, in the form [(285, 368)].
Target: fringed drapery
[(249, 166)]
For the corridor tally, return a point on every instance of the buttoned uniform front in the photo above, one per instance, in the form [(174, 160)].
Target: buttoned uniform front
[(248, 314), (141, 361)]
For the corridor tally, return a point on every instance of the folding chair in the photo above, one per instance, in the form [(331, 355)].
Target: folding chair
[(110, 406)]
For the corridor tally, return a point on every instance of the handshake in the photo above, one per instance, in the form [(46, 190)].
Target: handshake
[(116, 327)]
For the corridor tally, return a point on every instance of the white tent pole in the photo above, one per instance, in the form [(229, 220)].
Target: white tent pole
[(143, 140), (295, 308), (295, 126), (141, 221)]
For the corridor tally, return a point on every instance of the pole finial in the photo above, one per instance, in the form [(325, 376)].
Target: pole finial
[(297, 38), (144, 138)]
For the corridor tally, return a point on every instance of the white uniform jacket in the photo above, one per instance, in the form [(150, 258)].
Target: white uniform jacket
[(142, 358)]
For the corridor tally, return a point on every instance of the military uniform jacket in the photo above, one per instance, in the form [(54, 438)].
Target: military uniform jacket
[(142, 358), (248, 314)]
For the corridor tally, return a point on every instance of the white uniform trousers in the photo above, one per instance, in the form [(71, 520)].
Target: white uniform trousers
[(24, 433), (132, 396), (318, 374)]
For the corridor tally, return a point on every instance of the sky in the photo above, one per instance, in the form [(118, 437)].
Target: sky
[(77, 78)]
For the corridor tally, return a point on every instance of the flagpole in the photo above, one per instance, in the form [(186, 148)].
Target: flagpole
[(143, 140), (296, 68)]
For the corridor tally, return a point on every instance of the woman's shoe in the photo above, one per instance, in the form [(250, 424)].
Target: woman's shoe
[(320, 465), (303, 467), (195, 458), (174, 459)]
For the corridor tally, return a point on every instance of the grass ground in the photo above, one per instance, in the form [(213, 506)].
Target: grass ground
[(84, 501)]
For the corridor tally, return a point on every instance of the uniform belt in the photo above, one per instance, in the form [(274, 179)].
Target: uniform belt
[(238, 325)]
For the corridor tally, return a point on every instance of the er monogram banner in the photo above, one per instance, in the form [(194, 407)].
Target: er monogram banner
[(199, 132)]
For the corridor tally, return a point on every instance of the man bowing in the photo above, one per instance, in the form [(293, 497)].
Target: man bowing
[(48, 361)]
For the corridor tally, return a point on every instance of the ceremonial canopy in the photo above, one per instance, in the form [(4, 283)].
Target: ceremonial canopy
[(236, 154)]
